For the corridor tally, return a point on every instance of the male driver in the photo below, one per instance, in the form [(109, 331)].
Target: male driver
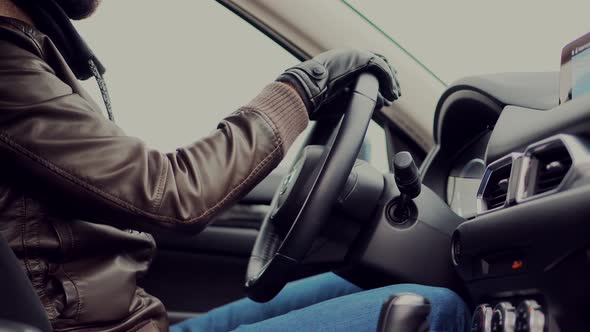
[(73, 184)]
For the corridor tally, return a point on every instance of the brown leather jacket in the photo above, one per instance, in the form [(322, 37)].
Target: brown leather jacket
[(73, 185)]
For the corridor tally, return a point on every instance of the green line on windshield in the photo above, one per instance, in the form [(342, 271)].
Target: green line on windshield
[(386, 35)]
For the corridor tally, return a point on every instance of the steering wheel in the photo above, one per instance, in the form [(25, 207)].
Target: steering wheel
[(306, 196)]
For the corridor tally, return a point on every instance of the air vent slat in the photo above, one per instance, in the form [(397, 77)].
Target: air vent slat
[(496, 190), (548, 185), (496, 202), (499, 191), (550, 180), (496, 199), (553, 165)]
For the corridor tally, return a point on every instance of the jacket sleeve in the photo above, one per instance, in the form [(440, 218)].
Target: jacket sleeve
[(58, 147)]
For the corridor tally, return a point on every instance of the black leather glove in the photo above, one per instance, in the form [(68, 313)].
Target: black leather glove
[(322, 78)]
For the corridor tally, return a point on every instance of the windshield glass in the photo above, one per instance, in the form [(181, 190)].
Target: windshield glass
[(461, 38)]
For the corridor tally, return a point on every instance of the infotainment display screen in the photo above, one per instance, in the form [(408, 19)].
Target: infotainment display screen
[(574, 77)]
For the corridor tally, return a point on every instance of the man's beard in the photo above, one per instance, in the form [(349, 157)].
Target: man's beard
[(78, 9)]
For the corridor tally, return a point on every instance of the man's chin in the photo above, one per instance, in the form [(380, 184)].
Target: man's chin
[(79, 9)]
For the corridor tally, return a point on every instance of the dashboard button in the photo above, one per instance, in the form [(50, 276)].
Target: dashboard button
[(482, 319), (503, 317), (529, 317)]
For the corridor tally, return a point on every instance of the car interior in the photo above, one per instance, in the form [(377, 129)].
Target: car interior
[(487, 195)]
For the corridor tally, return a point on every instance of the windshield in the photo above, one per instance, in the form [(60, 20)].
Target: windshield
[(453, 39)]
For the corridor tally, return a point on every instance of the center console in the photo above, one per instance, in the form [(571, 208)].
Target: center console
[(525, 257), (524, 253)]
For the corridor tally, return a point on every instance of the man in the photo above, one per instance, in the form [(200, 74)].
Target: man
[(74, 187)]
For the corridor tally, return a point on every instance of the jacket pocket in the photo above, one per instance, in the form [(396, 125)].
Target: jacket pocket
[(98, 281), (69, 307), (96, 290)]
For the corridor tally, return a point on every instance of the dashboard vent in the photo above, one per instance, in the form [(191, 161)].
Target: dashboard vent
[(552, 165), (496, 190)]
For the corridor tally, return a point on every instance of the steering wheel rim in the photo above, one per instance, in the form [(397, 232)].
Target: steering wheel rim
[(273, 259)]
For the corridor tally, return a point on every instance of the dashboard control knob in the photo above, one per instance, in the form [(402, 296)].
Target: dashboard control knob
[(482, 319), (529, 317), (503, 317), (407, 175), (407, 179)]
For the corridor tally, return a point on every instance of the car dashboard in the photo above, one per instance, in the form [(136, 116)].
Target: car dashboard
[(515, 166)]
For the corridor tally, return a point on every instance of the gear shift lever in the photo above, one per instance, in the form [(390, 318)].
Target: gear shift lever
[(407, 312), (407, 179)]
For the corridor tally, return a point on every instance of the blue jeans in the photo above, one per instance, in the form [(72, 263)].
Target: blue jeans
[(326, 302)]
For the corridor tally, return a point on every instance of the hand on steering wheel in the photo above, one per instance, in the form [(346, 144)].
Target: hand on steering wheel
[(324, 77)]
